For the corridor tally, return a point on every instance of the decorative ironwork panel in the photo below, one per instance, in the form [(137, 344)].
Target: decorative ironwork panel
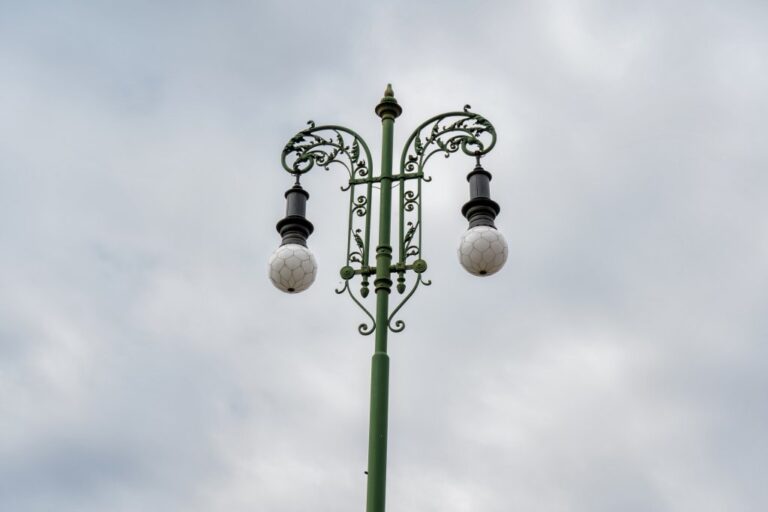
[(442, 134), (324, 146)]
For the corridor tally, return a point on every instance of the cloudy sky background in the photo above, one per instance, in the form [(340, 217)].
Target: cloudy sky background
[(617, 362)]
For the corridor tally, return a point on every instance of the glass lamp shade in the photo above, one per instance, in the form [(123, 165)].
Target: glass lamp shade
[(292, 268), (482, 250)]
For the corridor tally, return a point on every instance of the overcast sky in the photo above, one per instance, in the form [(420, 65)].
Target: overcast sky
[(618, 362)]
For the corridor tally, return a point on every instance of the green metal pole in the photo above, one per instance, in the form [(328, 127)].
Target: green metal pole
[(387, 110)]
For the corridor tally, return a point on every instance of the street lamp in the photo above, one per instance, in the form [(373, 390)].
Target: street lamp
[(482, 250)]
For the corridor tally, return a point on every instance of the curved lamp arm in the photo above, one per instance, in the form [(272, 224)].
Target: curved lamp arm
[(444, 134), (323, 146), (449, 132), (332, 144)]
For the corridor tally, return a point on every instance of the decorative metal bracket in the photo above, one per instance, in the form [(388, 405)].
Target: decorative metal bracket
[(332, 144), (442, 134)]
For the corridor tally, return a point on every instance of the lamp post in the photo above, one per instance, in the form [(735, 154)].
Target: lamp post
[(482, 251)]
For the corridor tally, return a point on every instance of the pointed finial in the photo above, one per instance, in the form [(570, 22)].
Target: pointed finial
[(388, 106)]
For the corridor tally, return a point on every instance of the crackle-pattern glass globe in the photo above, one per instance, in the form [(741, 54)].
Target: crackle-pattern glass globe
[(482, 250), (292, 268)]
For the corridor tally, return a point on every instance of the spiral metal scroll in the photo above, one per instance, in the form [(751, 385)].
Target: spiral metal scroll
[(443, 134), (325, 145), (331, 144), (363, 328), (446, 134), (399, 325)]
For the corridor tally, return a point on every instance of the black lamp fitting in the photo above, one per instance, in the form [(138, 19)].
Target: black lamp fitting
[(295, 228), (480, 210)]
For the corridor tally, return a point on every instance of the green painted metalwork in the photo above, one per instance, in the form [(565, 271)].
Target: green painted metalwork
[(442, 134), (326, 145), (331, 144), (388, 110)]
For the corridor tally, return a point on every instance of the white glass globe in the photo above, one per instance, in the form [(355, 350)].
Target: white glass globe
[(292, 268), (482, 250)]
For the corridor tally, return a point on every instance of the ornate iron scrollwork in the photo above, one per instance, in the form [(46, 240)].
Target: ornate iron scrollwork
[(446, 134), (324, 146), (442, 134)]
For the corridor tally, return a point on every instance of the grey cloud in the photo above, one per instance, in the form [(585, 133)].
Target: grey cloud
[(616, 362)]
